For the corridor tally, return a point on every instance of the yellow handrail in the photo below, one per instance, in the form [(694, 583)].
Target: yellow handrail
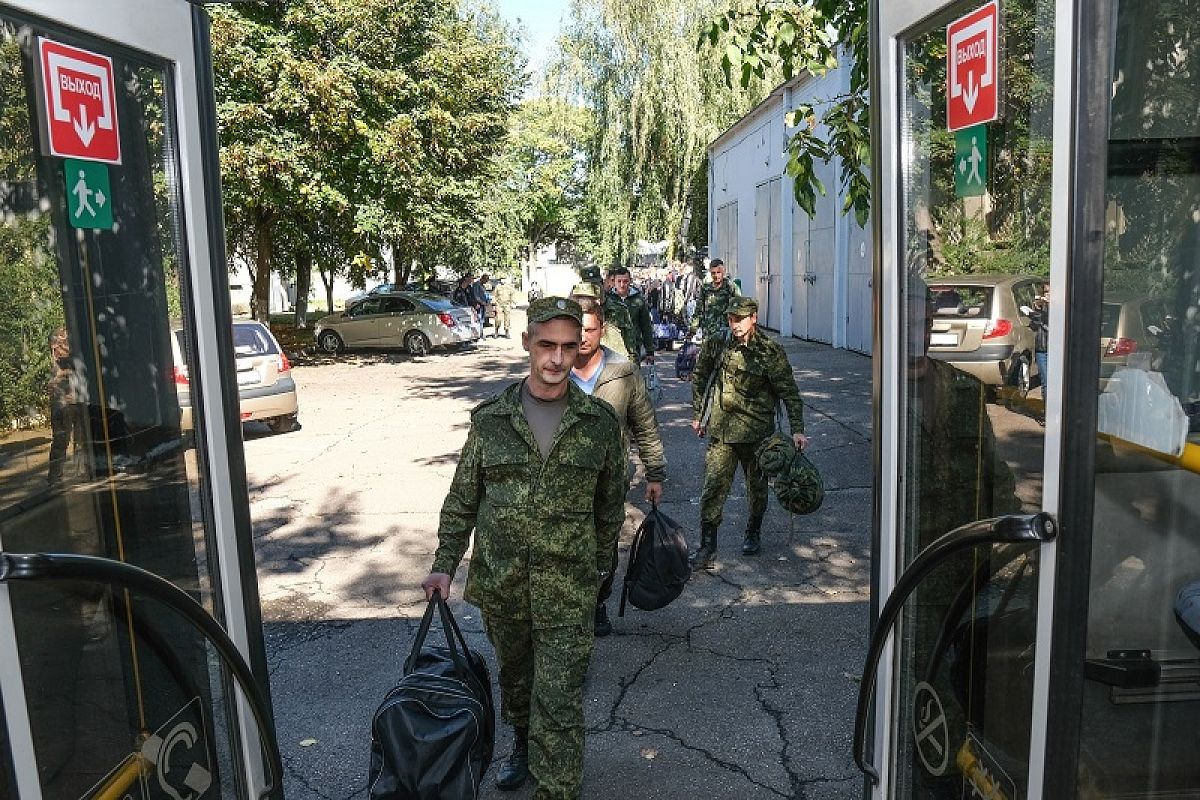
[(1189, 459)]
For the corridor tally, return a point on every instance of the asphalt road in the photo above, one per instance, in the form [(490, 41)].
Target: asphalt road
[(744, 687)]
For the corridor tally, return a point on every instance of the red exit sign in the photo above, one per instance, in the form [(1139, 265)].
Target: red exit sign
[(973, 68), (79, 103)]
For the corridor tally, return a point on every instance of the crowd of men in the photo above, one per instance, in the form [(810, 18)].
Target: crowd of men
[(542, 480)]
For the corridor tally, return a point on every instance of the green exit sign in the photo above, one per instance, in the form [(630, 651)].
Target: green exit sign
[(89, 196)]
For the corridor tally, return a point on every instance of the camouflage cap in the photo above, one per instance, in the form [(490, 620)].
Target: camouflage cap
[(545, 309), (742, 307), (591, 274), (585, 290)]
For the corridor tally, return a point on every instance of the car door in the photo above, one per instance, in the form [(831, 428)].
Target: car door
[(397, 318), (363, 323)]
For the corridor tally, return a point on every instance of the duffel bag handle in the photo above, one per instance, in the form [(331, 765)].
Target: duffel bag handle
[(454, 637)]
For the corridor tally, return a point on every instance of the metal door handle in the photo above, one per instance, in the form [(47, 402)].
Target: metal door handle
[(72, 567), (1013, 529)]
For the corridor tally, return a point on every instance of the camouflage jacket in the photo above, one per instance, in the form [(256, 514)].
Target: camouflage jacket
[(710, 316), (632, 315), (747, 382), (621, 386), (544, 529), (504, 295)]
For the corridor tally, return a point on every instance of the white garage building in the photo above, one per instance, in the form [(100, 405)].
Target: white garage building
[(811, 275)]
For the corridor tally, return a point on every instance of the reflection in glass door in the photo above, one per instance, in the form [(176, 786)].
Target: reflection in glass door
[(94, 456), (1141, 692), (974, 262)]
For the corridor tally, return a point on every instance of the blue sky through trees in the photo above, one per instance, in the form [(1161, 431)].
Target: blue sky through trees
[(541, 20)]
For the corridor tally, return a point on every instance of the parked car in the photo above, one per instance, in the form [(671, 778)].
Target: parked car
[(415, 321), (1130, 328), (978, 325), (266, 391)]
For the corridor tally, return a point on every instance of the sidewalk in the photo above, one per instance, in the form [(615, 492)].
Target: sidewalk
[(743, 688)]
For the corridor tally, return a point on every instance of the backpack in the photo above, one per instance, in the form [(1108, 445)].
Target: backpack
[(685, 362), (432, 736), (658, 567)]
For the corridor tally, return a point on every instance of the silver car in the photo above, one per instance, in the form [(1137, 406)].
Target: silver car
[(415, 321), (266, 391)]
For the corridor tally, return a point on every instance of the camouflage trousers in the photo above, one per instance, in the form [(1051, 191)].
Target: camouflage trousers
[(541, 688), (503, 320), (721, 461)]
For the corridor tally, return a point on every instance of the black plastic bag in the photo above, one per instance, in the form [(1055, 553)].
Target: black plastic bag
[(658, 567)]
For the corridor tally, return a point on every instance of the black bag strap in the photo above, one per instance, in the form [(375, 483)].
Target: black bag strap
[(454, 638)]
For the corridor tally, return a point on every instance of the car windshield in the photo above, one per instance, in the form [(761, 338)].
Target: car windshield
[(252, 340), (961, 301)]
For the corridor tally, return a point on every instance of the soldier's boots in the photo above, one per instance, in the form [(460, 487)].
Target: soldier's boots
[(752, 542), (600, 624), (704, 555), (515, 770)]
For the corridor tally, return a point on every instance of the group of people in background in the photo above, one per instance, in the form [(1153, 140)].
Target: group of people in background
[(542, 481)]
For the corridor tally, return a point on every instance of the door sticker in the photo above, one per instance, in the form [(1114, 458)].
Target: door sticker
[(78, 99), (89, 195), (177, 754), (983, 777), (930, 731)]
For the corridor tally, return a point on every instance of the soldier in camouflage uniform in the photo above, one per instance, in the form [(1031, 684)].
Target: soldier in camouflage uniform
[(626, 307), (504, 296), (739, 378), (541, 483), (612, 338), (713, 304)]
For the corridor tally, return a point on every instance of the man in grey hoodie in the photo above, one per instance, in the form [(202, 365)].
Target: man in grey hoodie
[(613, 378)]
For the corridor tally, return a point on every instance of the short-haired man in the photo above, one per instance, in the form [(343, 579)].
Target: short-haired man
[(739, 379), (713, 304), (613, 378), (541, 482), (611, 336), (635, 324)]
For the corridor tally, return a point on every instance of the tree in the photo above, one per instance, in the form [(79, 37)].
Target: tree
[(546, 178), (795, 36), (656, 103), (350, 127)]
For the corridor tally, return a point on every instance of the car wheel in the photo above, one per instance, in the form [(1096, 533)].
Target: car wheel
[(330, 342), (285, 424), (417, 343)]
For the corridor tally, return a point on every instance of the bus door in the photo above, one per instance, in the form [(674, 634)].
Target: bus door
[(1037, 574), (119, 433)]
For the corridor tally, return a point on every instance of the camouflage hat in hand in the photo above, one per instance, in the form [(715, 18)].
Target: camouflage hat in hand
[(742, 307), (547, 308)]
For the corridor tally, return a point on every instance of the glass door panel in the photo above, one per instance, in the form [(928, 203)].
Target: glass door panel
[(975, 265), (96, 457), (1141, 698)]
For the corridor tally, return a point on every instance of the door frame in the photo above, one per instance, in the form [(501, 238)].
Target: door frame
[(893, 22), (177, 32)]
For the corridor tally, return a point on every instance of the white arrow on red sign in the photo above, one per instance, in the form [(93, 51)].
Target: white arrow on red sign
[(973, 68), (79, 98)]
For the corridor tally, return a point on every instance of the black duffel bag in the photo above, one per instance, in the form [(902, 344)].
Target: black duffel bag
[(433, 734), (658, 568)]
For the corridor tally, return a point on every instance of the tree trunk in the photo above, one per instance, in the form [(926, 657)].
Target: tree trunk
[(260, 301), (304, 263), (327, 280), (401, 263)]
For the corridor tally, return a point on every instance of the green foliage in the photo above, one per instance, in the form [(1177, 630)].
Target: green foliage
[(353, 126), (28, 312), (656, 103), (797, 37)]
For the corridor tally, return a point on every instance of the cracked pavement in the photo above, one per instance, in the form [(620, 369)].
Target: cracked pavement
[(744, 687)]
